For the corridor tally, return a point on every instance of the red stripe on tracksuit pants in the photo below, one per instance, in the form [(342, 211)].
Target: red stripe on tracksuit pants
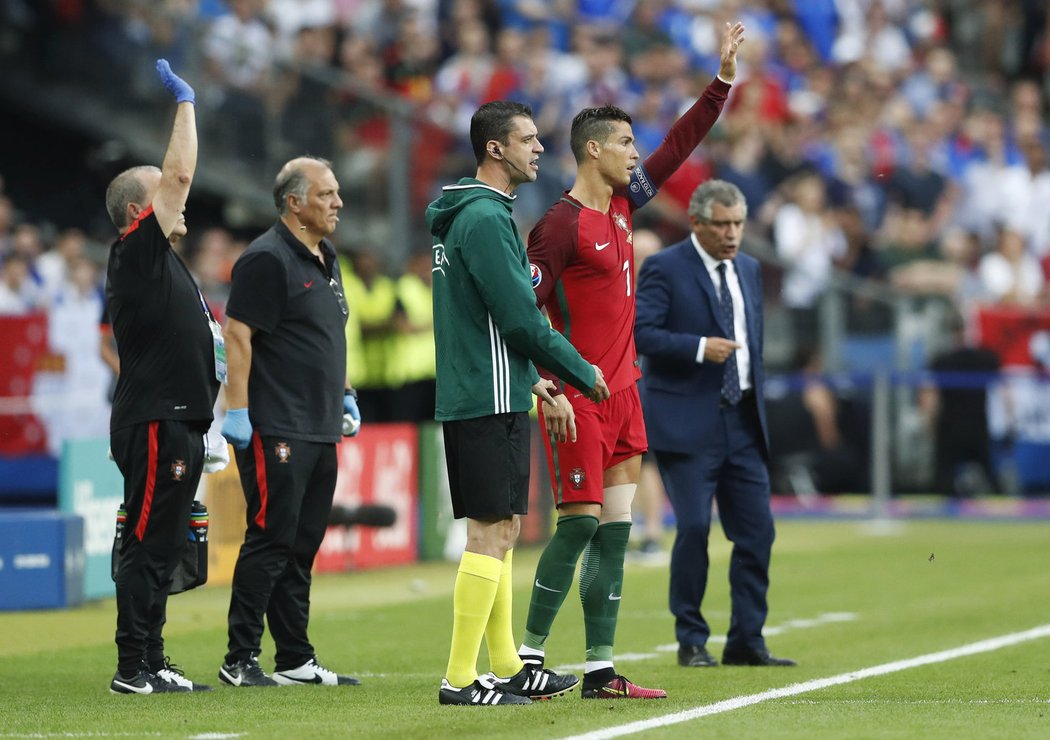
[(161, 462)]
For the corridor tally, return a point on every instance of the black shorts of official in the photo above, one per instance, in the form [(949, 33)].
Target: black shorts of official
[(488, 460)]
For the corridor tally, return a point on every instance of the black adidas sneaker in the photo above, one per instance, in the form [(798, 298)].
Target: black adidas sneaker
[(483, 692)]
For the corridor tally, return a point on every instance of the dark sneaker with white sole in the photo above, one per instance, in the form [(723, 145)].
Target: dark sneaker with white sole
[(245, 673), (143, 682), (483, 692), (536, 682), (312, 672)]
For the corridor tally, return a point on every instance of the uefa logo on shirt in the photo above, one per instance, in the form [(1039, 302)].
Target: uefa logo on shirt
[(537, 276)]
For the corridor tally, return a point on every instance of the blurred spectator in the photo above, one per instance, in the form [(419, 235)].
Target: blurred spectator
[(238, 52), (915, 185), (742, 167), (289, 18), (15, 297), (907, 248), (1010, 274), (649, 499), (982, 158), (463, 79), (807, 240), (955, 409), (55, 266), (7, 221), (211, 262), (373, 298), (410, 61), (1026, 198), (812, 452), (73, 333), (414, 352), (935, 81), (605, 79), (875, 42), (309, 115)]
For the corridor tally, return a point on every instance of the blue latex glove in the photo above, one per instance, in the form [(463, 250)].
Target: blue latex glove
[(176, 85), (351, 415), (237, 429)]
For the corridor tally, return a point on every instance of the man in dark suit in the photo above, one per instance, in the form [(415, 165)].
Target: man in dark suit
[(699, 329)]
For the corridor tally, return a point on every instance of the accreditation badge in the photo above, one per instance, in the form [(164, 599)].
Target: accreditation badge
[(219, 346)]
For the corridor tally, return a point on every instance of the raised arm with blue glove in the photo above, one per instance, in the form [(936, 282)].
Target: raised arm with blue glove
[(176, 85), (237, 429), (351, 414)]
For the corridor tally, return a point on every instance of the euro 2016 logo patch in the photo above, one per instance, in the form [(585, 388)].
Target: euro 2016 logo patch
[(577, 478), (178, 469), (283, 452), (537, 276)]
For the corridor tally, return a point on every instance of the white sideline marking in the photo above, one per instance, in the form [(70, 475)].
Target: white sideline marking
[(79, 735), (791, 624), (727, 705)]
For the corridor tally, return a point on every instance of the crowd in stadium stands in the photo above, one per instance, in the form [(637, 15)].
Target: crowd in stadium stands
[(902, 141)]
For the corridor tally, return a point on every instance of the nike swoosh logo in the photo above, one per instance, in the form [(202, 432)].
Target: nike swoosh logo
[(307, 285), (614, 598), (147, 689), (545, 588), (599, 247), (235, 680), (314, 679)]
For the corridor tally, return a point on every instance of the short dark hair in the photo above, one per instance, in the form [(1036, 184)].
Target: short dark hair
[(494, 120), (593, 124), (127, 187), (291, 180)]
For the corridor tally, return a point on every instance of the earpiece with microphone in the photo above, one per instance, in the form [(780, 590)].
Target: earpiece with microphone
[(498, 154)]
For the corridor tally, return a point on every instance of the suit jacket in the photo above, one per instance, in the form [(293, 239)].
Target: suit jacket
[(677, 304)]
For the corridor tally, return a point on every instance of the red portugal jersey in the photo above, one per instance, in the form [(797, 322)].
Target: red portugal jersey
[(583, 272), (582, 260)]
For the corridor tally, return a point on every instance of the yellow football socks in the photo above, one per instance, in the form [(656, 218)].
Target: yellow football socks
[(499, 633), (475, 591)]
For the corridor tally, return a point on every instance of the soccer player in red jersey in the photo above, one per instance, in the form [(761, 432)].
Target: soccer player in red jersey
[(582, 260)]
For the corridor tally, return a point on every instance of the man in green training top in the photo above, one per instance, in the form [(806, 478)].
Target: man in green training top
[(488, 332)]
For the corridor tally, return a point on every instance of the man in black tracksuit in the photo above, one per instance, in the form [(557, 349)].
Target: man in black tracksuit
[(289, 402), (171, 362)]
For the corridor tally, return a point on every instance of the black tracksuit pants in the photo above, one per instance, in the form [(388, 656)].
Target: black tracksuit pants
[(161, 462), (288, 485)]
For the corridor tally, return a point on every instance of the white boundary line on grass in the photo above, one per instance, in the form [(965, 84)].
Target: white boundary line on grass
[(739, 702)]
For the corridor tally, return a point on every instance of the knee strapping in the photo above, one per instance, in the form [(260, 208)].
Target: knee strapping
[(617, 506)]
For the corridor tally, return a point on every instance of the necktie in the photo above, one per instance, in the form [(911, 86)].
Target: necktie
[(731, 378)]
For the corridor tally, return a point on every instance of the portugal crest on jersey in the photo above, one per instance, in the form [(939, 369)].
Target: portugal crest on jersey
[(283, 452), (577, 477), (621, 221), (178, 469), (537, 276)]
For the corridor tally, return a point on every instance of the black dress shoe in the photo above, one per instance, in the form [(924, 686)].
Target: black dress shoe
[(695, 656), (753, 657)]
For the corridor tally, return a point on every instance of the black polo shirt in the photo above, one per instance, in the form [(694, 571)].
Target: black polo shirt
[(167, 365), (297, 308)]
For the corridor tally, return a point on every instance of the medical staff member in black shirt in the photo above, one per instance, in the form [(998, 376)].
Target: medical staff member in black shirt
[(289, 402), (171, 364)]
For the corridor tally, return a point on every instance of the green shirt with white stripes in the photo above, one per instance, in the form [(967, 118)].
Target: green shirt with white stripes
[(487, 328)]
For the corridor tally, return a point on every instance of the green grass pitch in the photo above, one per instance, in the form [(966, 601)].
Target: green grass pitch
[(844, 597)]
